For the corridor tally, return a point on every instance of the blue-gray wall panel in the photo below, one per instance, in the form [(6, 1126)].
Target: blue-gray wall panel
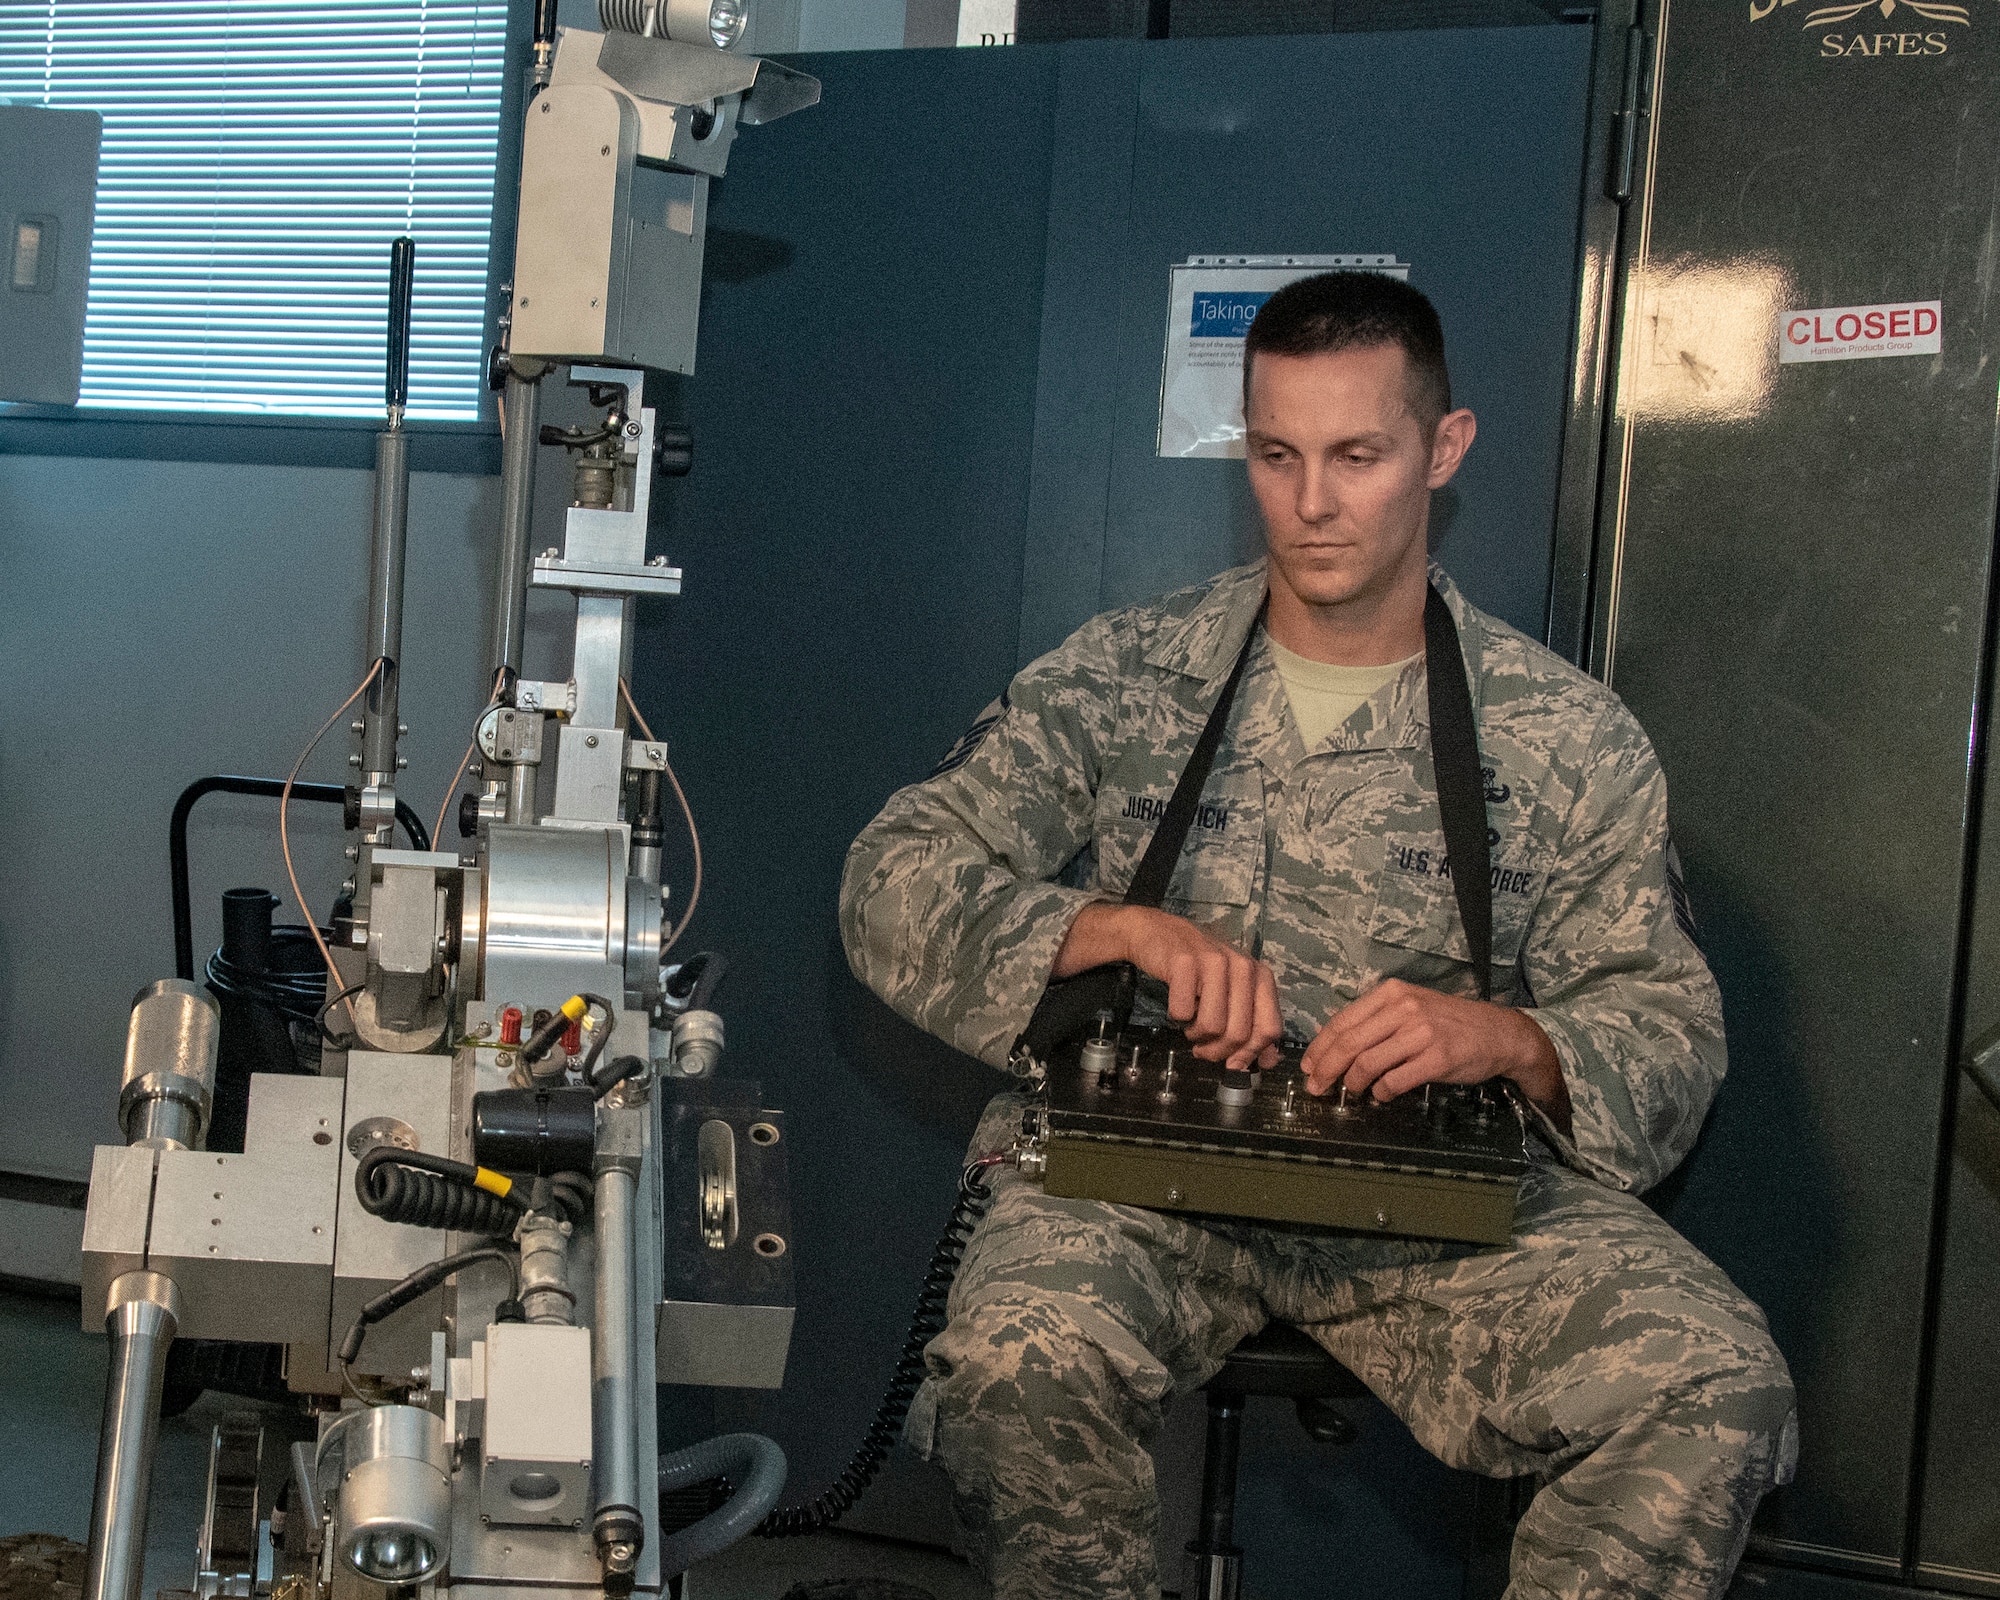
[(164, 620), (852, 542), (1457, 150)]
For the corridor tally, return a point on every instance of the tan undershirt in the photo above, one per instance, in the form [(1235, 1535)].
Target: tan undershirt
[(1323, 695)]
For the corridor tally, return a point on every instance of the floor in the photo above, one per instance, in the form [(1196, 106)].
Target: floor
[(49, 1409)]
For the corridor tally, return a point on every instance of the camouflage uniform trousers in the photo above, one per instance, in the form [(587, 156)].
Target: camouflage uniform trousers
[(1599, 1349)]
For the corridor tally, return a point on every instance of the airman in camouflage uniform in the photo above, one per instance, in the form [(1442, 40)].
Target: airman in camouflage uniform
[(1313, 897), (1599, 1349)]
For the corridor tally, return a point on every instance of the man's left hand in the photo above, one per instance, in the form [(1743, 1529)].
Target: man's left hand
[(1399, 1036)]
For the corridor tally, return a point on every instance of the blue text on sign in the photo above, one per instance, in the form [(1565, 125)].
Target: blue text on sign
[(1220, 315)]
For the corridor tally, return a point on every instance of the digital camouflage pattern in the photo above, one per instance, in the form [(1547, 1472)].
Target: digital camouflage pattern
[(1600, 1347), (1329, 866)]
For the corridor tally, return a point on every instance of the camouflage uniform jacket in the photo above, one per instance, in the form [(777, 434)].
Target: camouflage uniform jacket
[(1327, 864)]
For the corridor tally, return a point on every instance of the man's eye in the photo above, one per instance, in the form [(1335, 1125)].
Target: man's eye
[(1360, 458)]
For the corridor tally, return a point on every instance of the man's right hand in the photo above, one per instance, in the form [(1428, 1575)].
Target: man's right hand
[(1227, 1002)]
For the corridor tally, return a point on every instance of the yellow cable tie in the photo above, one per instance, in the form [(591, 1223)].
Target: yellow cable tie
[(492, 1182)]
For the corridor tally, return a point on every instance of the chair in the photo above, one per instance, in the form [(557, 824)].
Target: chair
[(1280, 1361)]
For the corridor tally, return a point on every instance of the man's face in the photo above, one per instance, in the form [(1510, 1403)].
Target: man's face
[(1343, 470)]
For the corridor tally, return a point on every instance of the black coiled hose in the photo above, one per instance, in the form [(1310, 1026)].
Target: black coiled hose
[(288, 985), (886, 1430), (564, 1194), (431, 1192)]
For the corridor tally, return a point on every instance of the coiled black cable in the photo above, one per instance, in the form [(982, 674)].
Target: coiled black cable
[(567, 1195), (295, 991), (429, 1191), (886, 1430)]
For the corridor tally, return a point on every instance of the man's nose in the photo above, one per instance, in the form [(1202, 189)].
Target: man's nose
[(1318, 501)]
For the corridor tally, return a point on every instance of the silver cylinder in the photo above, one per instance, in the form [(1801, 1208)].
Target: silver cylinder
[(170, 1046), (555, 913), (698, 1041), (523, 780), (545, 1291), (394, 1511), (614, 1444), (646, 863), (141, 1319), (517, 505), (385, 600)]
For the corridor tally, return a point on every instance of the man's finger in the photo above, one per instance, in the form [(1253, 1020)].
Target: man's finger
[(1358, 1010), (1370, 1064), (1267, 1021), (1212, 1015), (1338, 1050), (1263, 1026), (1321, 1063), (1242, 1002), (1427, 1066), (1366, 1034), (1183, 986)]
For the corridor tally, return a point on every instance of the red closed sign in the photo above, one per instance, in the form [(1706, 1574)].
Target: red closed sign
[(1856, 333)]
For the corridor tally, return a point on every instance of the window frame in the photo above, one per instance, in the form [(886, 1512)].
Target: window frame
[(259, 439)]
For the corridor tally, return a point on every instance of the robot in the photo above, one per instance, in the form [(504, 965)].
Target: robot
[(513, 1196)]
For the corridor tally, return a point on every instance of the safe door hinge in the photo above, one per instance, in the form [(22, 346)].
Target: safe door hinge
[(1629, 118)]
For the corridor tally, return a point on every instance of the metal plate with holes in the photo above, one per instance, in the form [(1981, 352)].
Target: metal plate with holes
[(249, 1238), (510, 735), (403, 1101), (726, 1312)]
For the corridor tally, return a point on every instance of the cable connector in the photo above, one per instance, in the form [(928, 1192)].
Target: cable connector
[(550, 1033)]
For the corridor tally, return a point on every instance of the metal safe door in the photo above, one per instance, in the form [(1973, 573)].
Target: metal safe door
[(1792, 586)]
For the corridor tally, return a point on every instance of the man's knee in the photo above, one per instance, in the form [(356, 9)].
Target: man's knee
[(1685, 1356), (1734, 1391), (1047, 1372)]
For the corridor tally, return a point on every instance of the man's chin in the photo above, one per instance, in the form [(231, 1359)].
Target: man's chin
[(1319, 585)]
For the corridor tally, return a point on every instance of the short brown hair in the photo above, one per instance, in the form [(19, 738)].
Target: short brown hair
[(1356, 311)]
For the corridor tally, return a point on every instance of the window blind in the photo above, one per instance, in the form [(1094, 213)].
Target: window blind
[(258, 157)]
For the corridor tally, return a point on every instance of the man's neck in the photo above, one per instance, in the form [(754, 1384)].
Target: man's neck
[(1368, 630)]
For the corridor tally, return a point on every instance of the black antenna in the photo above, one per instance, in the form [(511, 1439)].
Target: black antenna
[(402, 274)]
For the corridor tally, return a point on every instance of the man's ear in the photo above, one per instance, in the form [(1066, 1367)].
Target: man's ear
[(1454, 436)]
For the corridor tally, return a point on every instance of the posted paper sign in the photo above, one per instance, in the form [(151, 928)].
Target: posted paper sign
[(1855, 333), (1211, 301)]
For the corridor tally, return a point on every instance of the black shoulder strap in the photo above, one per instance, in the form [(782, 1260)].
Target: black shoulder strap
[(1461, 786), (1068, 1007), (1163, 850)]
